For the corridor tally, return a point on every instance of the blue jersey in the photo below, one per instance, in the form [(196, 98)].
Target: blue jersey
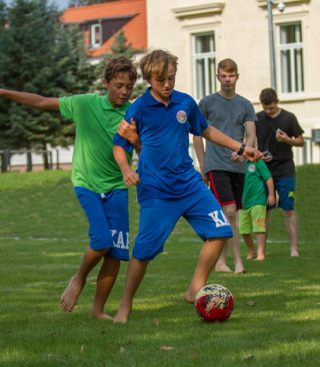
[(165, 167)]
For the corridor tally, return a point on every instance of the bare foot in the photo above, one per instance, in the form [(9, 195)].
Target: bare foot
[(239, 269), (252, 256), (69, 297), (190, 296), (100, 315), (294, 253), (260, 258), (223, 269), (122, 315)]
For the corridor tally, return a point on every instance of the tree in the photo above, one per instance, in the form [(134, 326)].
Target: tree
[(77, 3), (120, 46), (39, 55)]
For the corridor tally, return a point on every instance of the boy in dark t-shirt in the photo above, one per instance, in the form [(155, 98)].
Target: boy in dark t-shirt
[(278, 131)]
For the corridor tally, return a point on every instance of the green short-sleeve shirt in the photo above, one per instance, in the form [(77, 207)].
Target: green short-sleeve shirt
[(96, 121), (254, 191)]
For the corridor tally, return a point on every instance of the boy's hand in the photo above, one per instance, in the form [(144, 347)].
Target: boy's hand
[(252, 154), (130, 177), (281, 136), (271, 200), (235, 157), (127, 131), (268, 158), (204, 176)]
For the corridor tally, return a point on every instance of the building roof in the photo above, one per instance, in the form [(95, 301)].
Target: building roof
[(126, 15)]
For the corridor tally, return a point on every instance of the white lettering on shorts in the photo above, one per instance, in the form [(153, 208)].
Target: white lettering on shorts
[(121, 241), (220, 222)]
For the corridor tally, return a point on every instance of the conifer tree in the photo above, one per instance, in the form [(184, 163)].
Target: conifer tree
[(39, 55), (120, 46)]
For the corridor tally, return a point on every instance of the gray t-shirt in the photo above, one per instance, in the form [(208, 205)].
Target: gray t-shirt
[(228, 116)]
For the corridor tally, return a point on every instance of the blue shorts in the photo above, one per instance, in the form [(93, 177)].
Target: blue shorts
[(159, 216), (286, 192), (108, 219)]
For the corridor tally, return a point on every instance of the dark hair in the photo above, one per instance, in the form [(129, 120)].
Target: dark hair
[(156, 63), (119, 64), (227, 65), (268, 95)]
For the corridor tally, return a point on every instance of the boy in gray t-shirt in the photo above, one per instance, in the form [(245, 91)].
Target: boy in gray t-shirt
[(233, 115)]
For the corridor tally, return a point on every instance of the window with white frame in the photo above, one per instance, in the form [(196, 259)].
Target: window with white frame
[(291, 57), (96, 35), (204, 64)]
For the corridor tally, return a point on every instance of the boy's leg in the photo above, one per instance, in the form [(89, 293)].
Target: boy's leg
[(267, 224), (115, 206), (292, 228), (106, 278), (230, 212), (286, 191), (208, 257), (135, 274), (101, 240), (90, 259), (234, 244), (227, 187), (206, 217), (261, 242), (245, 229), (157, 220), (248, 239)]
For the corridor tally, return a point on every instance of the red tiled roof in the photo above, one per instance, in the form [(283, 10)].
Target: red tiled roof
[(135, 30)]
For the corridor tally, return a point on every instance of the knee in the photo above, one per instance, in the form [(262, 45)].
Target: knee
[(289, 213), (230, 213)]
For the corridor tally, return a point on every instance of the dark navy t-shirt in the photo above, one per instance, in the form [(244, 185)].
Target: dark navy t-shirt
[(165, 167)]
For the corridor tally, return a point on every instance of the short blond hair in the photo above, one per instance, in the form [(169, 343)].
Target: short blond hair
[(156, 63)]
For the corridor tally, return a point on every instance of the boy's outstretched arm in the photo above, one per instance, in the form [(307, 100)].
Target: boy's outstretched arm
[(31, 100), (129, 132), (217, 137), (130, 177)]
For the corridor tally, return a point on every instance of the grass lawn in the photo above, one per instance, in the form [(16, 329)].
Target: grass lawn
[(43, 234)]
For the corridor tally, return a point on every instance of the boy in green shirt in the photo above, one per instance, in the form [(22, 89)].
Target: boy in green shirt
[(96, 177), (253, 215)]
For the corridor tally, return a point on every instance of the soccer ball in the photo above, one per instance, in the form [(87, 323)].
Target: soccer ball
[(214, 303)]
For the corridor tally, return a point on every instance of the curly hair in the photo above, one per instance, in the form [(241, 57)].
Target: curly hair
[(119, 64)]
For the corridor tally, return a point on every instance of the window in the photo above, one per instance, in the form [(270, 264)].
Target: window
[(291, 58), (204, 64), (95, 35)]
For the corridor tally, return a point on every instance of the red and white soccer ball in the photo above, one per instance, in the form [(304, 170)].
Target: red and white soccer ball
[(214, 303)]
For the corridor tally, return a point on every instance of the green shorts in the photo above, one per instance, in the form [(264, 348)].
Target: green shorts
[(252, 219)]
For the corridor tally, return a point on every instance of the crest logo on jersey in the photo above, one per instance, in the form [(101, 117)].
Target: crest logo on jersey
[(251, 168), (181, 117)]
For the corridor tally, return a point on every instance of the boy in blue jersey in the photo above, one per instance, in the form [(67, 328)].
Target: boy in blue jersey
[(96, 177), (168, 186)]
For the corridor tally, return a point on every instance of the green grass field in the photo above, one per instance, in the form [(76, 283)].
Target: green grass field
[(43, 234)]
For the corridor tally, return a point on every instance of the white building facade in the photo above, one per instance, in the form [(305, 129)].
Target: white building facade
[(203, 32)]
